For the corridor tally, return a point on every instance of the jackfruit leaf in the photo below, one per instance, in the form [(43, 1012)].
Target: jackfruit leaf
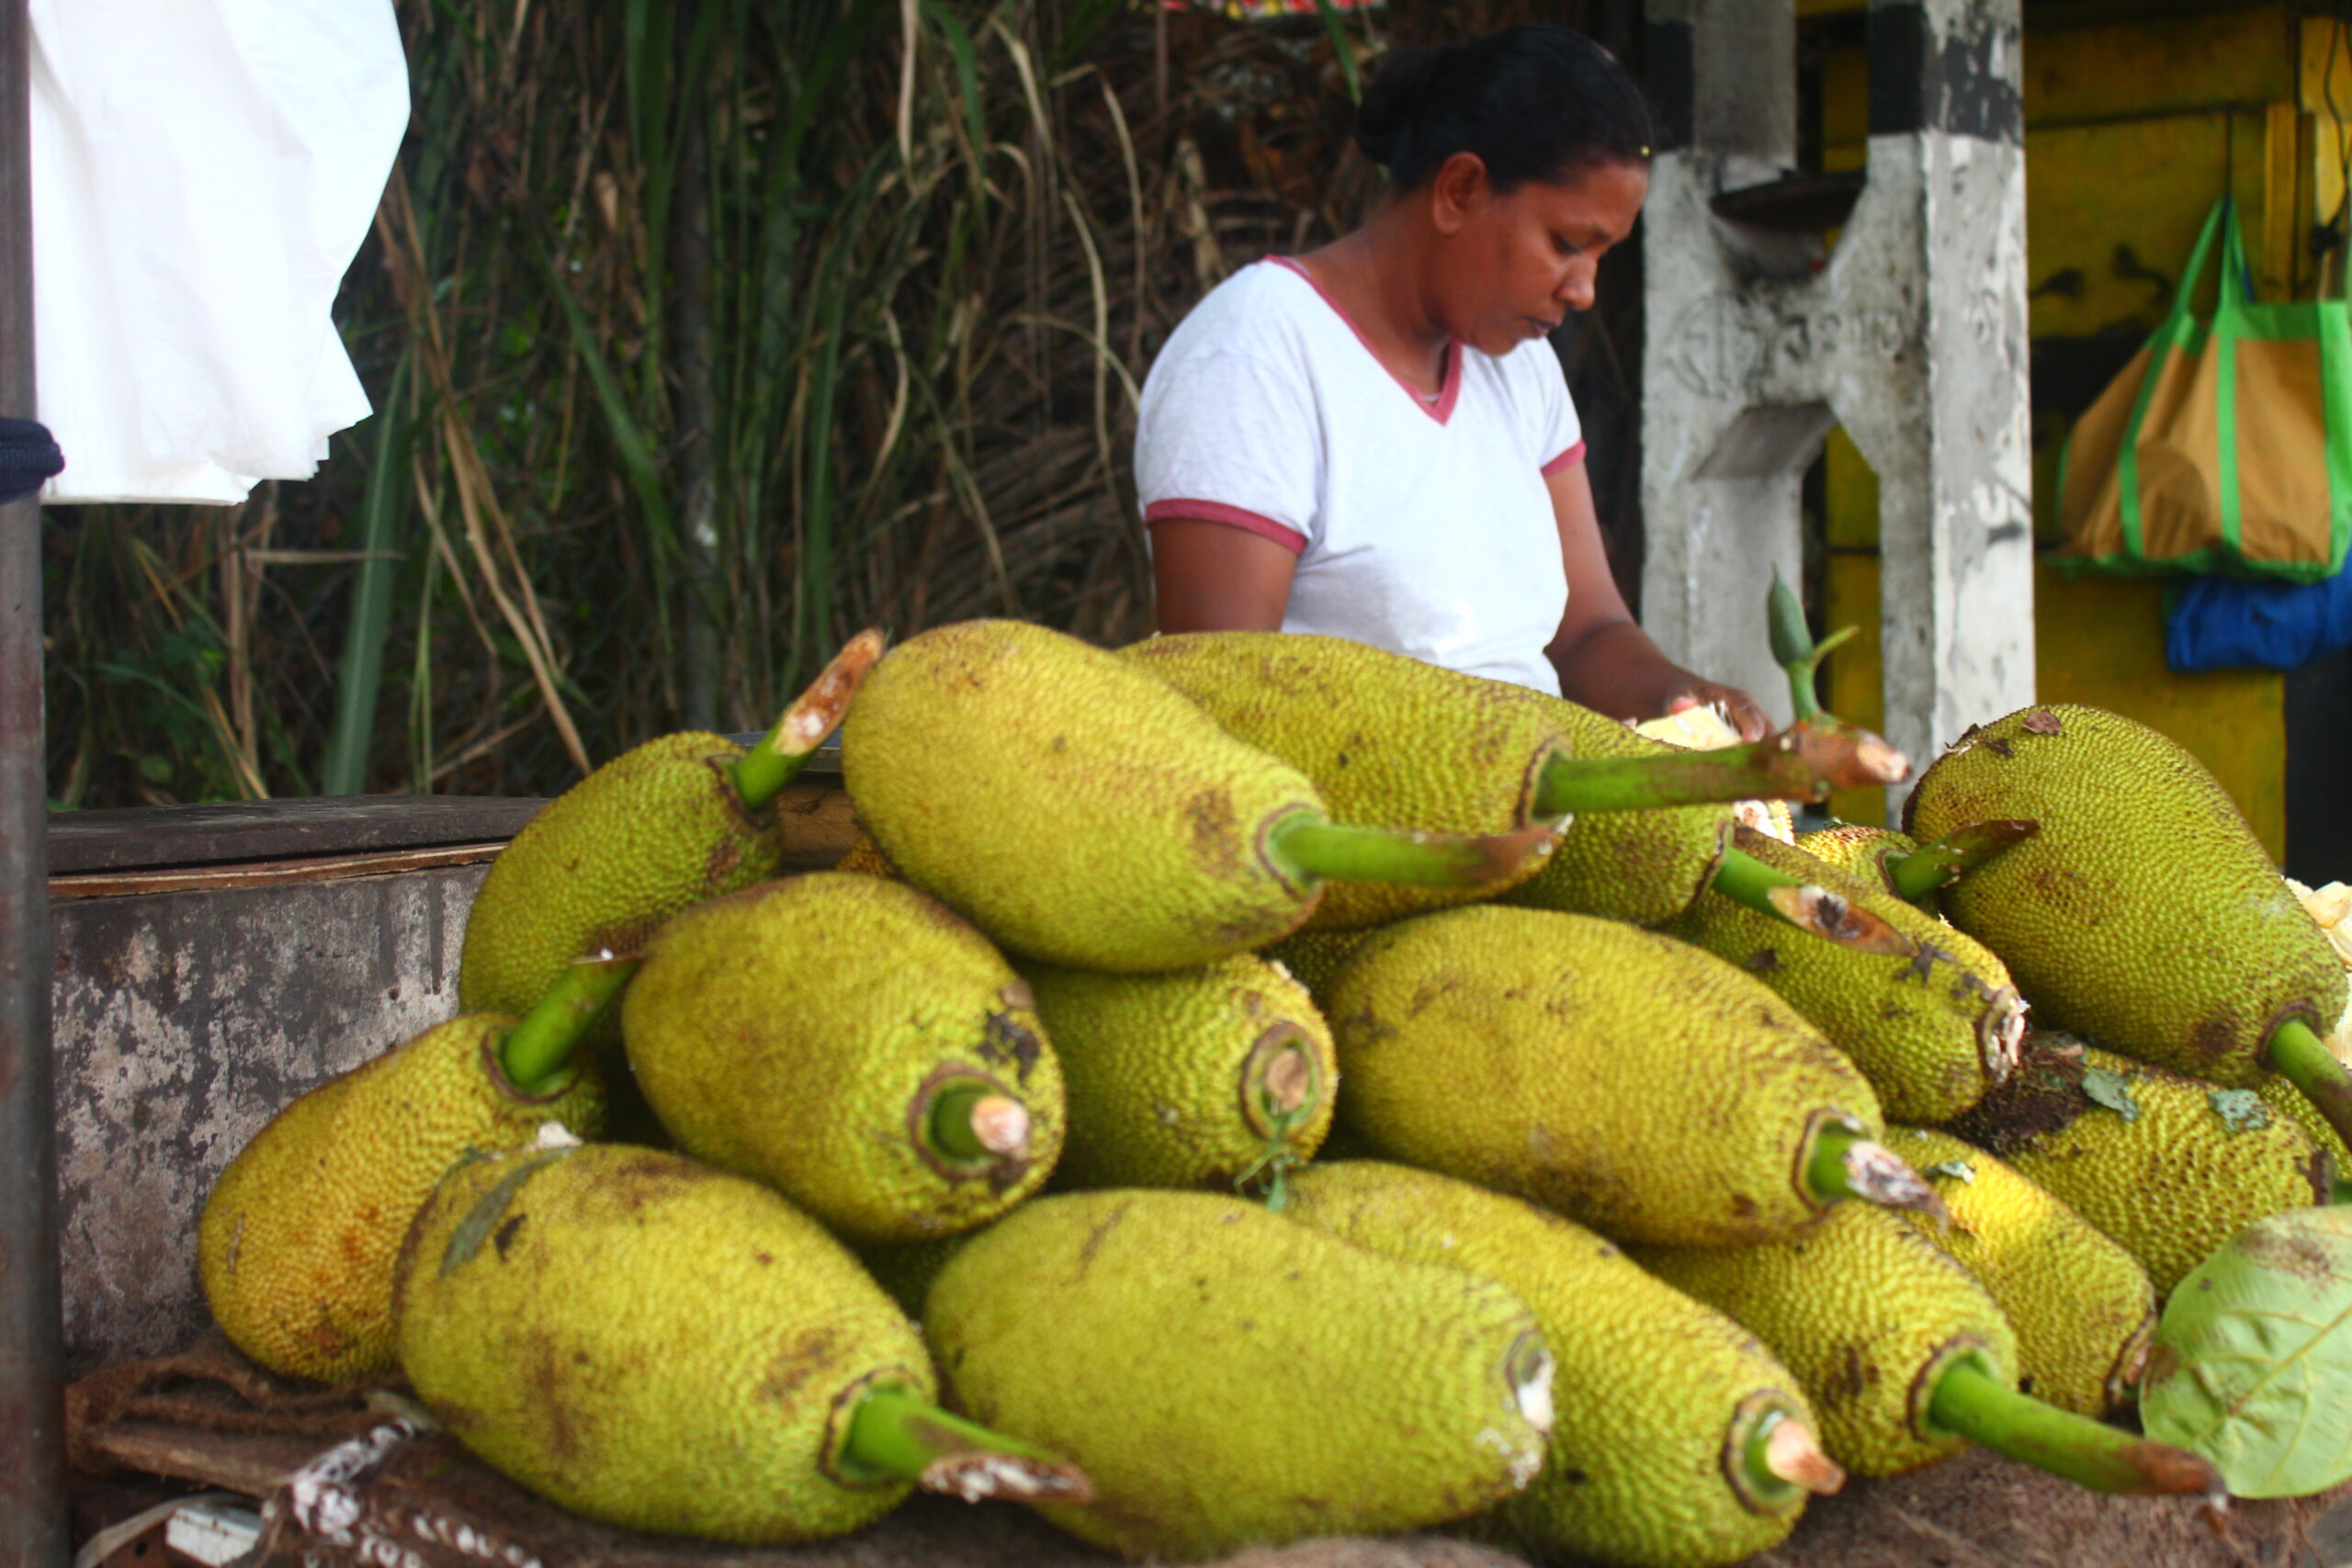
[(2241, 1110), (1958, 1168), (2112, 1090), (2253, 1359)]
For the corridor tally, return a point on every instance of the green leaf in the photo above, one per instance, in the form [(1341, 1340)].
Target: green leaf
[(472, 1231), (2253, 1359), (1958, 1168), (2112, 1090), (2241, 1110)]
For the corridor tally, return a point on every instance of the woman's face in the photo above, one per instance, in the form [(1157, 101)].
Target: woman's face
[(1520, 260)]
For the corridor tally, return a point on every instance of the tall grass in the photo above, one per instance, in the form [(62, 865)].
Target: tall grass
[(702, 334)]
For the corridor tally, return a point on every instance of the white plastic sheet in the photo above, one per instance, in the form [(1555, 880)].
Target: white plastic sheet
[(203, 173)]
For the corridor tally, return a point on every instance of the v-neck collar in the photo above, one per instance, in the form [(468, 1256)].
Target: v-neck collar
[(1440, 408)]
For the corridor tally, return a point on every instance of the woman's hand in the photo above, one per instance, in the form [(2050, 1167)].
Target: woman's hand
[(1745, 714)]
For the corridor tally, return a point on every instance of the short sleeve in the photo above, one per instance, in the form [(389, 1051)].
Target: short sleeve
[(1230, 438), (1559, 434)]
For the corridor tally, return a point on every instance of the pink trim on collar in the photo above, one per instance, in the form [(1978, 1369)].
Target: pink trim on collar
[(1449, 386), (1256, 522), (1568, 459)]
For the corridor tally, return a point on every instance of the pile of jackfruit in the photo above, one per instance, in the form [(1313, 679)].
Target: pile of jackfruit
[(1250, 1086)]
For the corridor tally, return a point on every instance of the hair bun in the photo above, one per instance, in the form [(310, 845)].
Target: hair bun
[(1384, 118)]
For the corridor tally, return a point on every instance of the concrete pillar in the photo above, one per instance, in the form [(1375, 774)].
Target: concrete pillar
[(1913, 336)]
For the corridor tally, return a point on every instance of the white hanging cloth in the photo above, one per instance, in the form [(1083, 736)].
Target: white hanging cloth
[(203, 173)]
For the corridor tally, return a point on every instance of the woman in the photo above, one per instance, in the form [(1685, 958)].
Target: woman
[(1375, 440)]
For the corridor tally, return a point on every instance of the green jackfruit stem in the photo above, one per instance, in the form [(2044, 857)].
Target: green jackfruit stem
[(1969, 1400), (534, 1052), (1793, 648), (1804, 761), (1749, 883), (978, 1122), (762, 773), (894, 1434), (1915, 875), (1307, 848), (2304, 1060), (1848, 1163)]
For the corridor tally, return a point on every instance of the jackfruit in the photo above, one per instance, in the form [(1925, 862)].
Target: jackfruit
[(296, 1244), (1859, 850), (1390, 739), (1204, 1077), (2083, 1309), (1679, 1441), (1084, 812), (856, 1045), (1226, 1377), (1705, 727), (1382, 738), (1313, 958), (1906, 1357), (676, 820), (905, 1270), (656, 1346), (1640, 866), (1932, 1025), (2290, 1102), (1636, 1084), (2168, 1166), (2145, 914)]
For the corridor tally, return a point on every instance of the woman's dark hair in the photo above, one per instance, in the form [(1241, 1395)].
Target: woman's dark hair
[(1534, 103)]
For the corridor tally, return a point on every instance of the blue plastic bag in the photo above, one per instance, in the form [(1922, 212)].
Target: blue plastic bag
[(2227, 623)]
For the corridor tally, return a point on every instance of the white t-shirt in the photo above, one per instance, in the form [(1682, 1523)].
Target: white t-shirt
[(1422, 527)]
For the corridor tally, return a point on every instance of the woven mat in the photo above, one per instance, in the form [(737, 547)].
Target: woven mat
[(210, 1418)]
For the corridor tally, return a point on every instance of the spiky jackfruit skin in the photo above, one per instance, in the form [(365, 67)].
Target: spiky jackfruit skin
[(1859, 850), (905, 1270), (2184, 1174), (297, 1238), (2145, 914), (1640, 866), (2082, 1306), (1863, 1309), (1068, 802), (1313, 958), (2285, 1099), (1656, 1393), (1630, 1081), (651, 1343), (1386, 739), (1168, 1075), (791, 1032), (1932, 1032), (1228, 1378), (651, 832)]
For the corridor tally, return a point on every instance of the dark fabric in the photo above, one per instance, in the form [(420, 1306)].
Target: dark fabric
[(28, 457), (2225, 623)]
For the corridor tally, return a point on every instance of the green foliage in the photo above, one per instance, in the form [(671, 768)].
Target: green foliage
[(701, 336), (2253, 1359)]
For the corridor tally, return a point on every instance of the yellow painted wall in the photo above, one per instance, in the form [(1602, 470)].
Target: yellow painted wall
[(2133, 130)]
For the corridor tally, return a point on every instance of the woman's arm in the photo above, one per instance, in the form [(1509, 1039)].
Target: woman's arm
[(1213, 577), (1605, 661)]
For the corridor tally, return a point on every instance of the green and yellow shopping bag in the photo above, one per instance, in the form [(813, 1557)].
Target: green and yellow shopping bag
[(2224, 446)]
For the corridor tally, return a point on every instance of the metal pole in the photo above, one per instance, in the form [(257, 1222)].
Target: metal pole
[(32, 1417)]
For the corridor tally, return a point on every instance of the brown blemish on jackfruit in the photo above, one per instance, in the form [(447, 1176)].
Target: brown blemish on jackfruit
[(1006, 1039), (813, 1353)]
